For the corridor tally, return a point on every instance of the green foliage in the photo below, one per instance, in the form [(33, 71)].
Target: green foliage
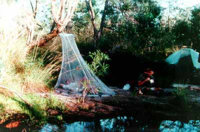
[(182, 32), (37, 107), (134, 93), (141, 27), (59, 117), (2, 108), (181, 93), (195, 28), (134, 25), (98, 65)]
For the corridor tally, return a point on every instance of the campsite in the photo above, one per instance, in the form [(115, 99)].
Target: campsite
[(83, 66)]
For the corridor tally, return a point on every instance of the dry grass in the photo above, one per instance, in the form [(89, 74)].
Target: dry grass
[(26, 74)]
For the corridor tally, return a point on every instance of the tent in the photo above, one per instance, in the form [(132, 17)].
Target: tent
[(185, 65), (75, 75), (186, 52)]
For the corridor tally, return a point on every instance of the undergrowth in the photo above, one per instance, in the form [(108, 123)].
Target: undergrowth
[(27, 75)]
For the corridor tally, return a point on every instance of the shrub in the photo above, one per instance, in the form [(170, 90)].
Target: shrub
[(98, 64)]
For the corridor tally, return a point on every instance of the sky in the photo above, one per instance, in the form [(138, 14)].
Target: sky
[(180, 3), (9, 12)]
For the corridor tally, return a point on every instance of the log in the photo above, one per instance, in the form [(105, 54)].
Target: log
[(165, 105)]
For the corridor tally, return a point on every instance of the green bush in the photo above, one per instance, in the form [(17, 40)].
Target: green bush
[(181, 94), (98, 64)]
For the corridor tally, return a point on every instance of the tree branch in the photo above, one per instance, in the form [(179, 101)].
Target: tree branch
[(34, 10), (55, 17), (92, 15), (61, 9), (60, 22)]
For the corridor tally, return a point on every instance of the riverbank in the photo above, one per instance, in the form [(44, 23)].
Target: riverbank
[(174, 105)]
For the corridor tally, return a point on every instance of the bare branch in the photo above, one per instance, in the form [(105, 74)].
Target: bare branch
[(34, 10), (70, 12), (60, 21), (92, 14), (31, 6), (62, 9), (55, 17), (36, 7)]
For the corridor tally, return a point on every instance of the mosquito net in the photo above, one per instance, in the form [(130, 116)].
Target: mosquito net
[(75, 75)]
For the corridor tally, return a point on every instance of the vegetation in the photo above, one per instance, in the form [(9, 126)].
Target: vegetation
[(26, 76), (98, 64), (181, 94)]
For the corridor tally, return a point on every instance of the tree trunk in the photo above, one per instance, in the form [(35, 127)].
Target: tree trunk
[(92, 15), (97, 33), (61, 19), (102, 25), (163, 104), (53, 26)]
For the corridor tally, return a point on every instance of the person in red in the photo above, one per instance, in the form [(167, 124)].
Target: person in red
[(146, 79)]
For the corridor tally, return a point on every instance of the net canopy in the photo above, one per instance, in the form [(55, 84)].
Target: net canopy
[(75, 75), (192, 55)]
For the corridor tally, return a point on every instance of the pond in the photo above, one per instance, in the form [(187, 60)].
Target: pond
[(110, 125), (122, 124), (116, 124)]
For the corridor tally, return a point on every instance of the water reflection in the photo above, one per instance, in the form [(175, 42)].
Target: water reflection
[(177, 126), (112, 124), (118, 124), (122, 124)]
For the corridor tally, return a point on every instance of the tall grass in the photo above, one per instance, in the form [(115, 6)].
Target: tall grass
[(21, 70), (26, 74)]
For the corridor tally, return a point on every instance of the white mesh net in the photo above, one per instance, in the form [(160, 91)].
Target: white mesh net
[(75, 75)]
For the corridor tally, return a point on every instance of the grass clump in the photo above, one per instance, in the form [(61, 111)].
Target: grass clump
[(40, 105), (181, 93), (28, 75), (182, 99)]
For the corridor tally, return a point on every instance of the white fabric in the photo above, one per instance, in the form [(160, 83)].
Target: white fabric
[(75, 73)]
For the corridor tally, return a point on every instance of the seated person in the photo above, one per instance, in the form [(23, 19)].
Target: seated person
[(146, 79)]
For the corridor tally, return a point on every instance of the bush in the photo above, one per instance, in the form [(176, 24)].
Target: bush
[(98, 64)]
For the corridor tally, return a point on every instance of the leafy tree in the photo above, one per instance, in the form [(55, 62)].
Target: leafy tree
[(137, 23), (195, 28), (182, 31)]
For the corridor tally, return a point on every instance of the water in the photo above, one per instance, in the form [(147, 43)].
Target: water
[(122, 124), (115, 124)]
